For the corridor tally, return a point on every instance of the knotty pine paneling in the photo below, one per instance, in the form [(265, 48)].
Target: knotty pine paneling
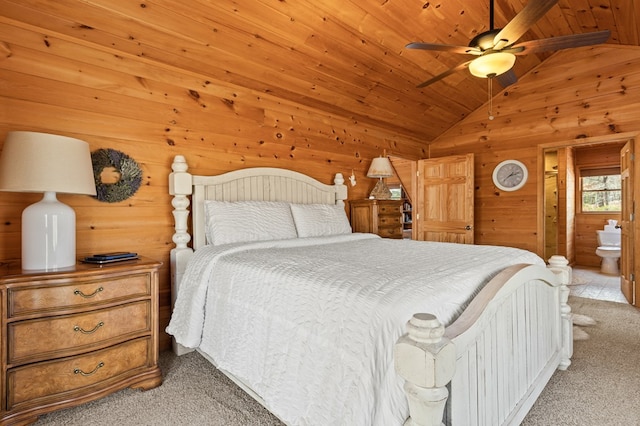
[(152, 112), (573, 97), (566, 203), (216, 41)]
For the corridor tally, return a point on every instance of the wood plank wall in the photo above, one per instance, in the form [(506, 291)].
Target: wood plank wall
[(578, 95), (59, 84)]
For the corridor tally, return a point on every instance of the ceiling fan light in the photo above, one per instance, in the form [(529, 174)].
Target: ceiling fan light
[(492, 64)]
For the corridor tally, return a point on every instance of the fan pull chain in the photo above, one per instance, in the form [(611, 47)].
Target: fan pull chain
[(491, 117)]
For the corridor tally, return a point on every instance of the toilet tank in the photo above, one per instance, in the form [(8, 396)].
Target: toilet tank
[(609, 238)]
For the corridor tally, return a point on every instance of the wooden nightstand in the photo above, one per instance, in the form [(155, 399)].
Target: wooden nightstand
[(76, 335), (382, 217)]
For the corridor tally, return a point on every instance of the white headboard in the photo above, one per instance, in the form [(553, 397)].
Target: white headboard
[(257, 184)]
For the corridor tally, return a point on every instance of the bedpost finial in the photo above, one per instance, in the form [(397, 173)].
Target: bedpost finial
[(559, 265), (558, 261), (427, 362), (179, 164), (425, 328)]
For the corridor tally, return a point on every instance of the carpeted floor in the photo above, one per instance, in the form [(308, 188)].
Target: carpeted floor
[(601, 387), (193, 393)]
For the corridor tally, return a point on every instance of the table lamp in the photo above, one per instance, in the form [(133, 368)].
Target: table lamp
[(41, 162), (380, 168)]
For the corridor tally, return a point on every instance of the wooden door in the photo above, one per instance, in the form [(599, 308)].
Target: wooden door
[(627, 249), (444, 207)]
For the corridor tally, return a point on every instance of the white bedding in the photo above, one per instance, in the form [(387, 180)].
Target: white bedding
[(310, 324)]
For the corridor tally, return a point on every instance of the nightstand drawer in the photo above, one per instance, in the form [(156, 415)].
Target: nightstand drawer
[(34, 382), (55, 337), (49, 296)]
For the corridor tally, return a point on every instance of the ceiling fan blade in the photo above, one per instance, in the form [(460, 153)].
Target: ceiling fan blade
[(445, 48), (562, 42), (507, 78), (521, 23), (445, 74)]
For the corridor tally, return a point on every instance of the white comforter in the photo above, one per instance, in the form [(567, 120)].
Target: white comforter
[(310, 324)]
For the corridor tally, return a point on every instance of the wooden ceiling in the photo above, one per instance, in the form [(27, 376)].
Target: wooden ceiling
[(345, 57)]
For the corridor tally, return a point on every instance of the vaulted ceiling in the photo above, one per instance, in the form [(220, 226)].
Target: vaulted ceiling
[(345, 57)]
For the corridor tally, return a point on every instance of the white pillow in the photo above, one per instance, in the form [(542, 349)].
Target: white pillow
[(247, 221), (320, 220)]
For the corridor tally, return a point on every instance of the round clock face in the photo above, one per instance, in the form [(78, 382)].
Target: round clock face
[(510, 175)]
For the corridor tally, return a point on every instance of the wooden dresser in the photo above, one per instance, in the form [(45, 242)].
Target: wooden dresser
[(382, 217), (76, 335)]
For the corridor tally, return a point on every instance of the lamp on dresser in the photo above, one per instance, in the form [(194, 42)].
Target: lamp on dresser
[(380, 168), (42, 162)]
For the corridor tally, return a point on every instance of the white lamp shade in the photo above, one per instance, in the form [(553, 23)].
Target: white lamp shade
[(380, 168), (40, 162), (492, 64)]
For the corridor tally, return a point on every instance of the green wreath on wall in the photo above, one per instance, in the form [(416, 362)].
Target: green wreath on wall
[(130, 175)]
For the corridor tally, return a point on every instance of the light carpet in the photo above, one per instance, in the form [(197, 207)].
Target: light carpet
[(602, 384), (601, 387)]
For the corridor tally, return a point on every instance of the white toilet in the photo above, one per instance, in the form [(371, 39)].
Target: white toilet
[(609, 248)]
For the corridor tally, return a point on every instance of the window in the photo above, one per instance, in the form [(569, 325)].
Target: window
[(601, 190)]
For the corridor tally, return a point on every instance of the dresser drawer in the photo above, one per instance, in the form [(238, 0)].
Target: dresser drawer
[(395, 232), (34, 382), (389, 221), (49, 296), (389, 209), (55, 337)]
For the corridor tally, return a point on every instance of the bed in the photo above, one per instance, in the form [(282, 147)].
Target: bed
[(317, 324)]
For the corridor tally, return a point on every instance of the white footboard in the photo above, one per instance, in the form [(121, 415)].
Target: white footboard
[(494, 361)]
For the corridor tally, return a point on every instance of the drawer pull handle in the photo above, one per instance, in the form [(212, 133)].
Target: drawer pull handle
[(86, 296), (81, 330), (78, 371)]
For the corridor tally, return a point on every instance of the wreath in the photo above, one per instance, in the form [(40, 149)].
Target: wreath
[(130, 175)]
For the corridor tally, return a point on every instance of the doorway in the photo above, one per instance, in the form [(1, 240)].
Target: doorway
[(550, 203), (563, 228)]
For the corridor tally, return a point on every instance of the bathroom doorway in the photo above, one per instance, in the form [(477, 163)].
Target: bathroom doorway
[(563, 227), (569, 227)]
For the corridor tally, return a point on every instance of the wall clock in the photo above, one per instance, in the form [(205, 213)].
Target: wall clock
[(510, 175)]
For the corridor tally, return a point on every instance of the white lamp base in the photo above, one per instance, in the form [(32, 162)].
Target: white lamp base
[(48, 235)]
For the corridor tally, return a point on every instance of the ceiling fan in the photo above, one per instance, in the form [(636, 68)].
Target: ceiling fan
[(495, 50)]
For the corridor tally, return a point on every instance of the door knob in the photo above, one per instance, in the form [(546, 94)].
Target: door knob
[(467, 228), (618, 226)]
